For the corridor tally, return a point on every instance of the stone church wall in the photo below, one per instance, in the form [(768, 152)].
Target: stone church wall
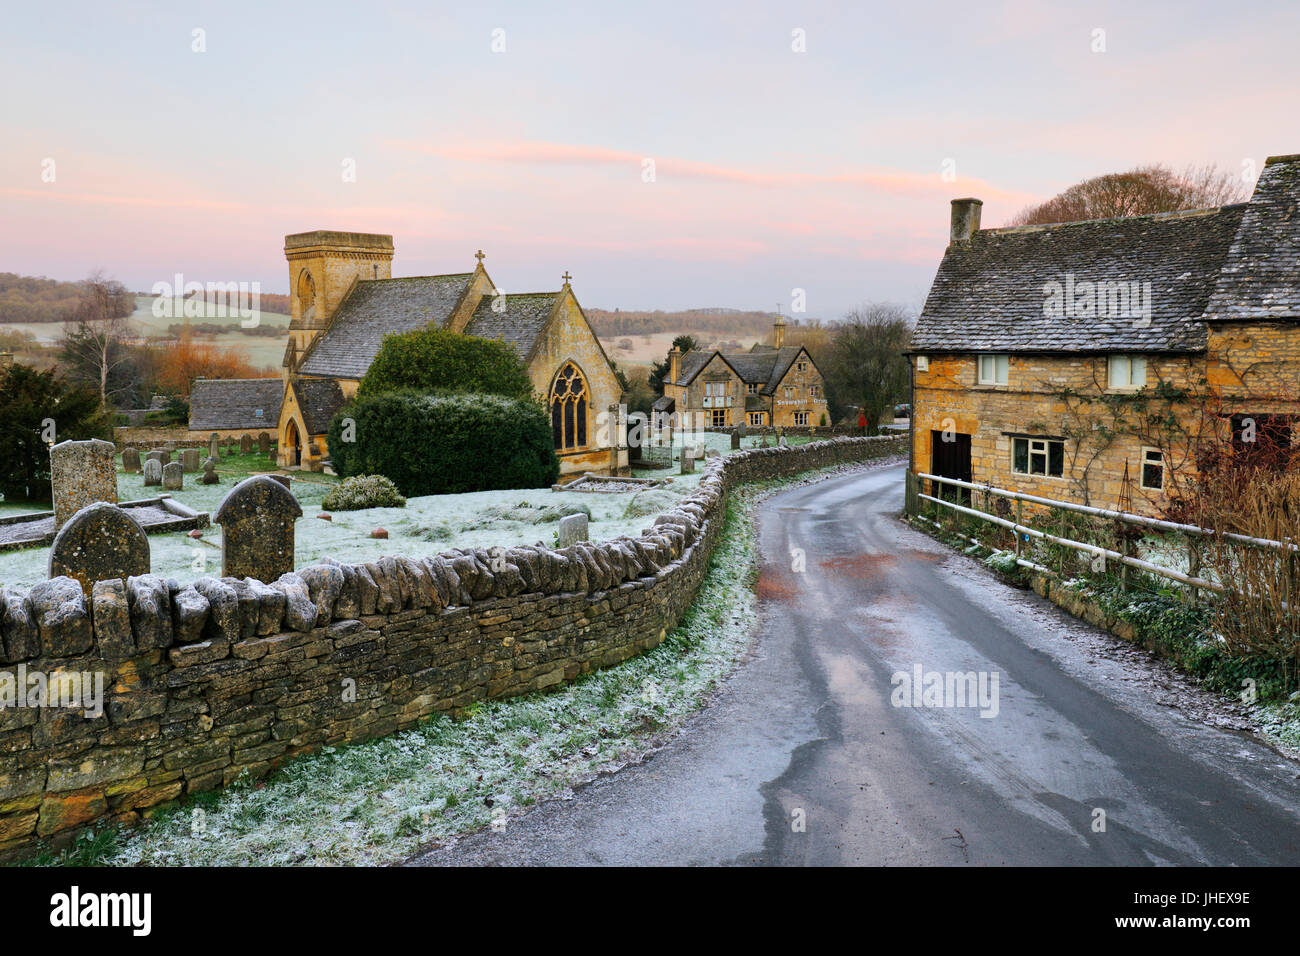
[(210, 681)]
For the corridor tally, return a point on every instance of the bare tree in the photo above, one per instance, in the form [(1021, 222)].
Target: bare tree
[(1146, 189), (92, 345), (865, 361)]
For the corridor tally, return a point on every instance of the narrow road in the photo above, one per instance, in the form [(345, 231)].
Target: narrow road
[(802, 758)]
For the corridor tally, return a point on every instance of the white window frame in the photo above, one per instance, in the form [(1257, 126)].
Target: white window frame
[(1126, 372), (789, 391), (804, 416), (1031, 451), (751, 388), (802, 366), (992, 369), (756, 419), (814, 391), (1142, 469)]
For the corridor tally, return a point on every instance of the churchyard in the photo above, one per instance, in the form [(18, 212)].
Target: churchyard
[(426, 526)]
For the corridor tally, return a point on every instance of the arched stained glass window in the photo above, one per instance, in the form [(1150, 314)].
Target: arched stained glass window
[(569, 401)]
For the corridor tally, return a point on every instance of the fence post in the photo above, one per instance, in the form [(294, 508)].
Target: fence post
[(1194, 565), (1020, 520), (1123, 568)]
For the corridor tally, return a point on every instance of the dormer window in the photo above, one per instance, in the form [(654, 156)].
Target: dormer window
[(751, 388)]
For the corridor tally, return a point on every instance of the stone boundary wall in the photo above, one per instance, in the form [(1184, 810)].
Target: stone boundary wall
[(225, 676)]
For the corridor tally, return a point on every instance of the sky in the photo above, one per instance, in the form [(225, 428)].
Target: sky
[(668, 155)]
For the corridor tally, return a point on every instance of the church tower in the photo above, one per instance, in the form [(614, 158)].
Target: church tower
[(323, 265)]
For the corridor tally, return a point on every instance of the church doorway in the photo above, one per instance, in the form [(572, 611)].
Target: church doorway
[(570, 401), (293, 441)]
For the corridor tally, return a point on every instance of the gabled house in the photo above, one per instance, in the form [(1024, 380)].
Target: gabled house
[(1096, 361), (775, 384)]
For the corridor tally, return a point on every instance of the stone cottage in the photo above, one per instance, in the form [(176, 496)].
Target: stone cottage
[(774, 384), (1093, 361)]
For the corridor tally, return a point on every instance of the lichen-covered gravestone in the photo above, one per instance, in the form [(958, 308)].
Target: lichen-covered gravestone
[(245, 444), (688, 461), (173, 476), (210, 471), (100, 542), (81, 473), (161, 455), (735, 440), (152, 472), (214, 445), (573, 528), (257, 529), (263, 442), (130, 461), (190, 460)]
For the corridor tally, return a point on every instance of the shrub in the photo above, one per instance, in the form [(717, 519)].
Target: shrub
[(435, 360), (363, 491), (29, 400), (431, 444)]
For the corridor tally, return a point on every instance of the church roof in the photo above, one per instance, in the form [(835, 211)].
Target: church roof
[(517, 319), (225, 404), (319, 399), (378, 307)]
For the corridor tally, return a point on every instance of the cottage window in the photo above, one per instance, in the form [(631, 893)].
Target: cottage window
[(718, 418), (993, 369), (803, 366), (751, 388), (1153, 469), (815, 391), (1038, 456), (756, 418), (1126, 371), (789, 391), (801, 418), (569, 402)]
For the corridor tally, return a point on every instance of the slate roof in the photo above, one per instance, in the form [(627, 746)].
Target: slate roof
[(375, 308), (989, 292), (521, 318), (319, 399), (765, 368), (1261, 277), (223, 404)]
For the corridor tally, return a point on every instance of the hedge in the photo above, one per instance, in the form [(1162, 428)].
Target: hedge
[(435, 360), (432, 444)]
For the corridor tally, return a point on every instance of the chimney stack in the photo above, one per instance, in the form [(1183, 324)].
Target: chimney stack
[(674, 365), (778, 332), (965, 218)]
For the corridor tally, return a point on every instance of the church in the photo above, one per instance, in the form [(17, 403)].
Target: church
[(344, 300)]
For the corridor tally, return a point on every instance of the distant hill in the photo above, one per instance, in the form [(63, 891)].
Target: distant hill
[(32, 299), (716, 322)]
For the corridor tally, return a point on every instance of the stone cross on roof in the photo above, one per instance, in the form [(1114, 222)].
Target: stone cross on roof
[(566, 277), (479, 256)]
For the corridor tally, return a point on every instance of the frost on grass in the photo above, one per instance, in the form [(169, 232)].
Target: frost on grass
[(363, 491), (380, 801)]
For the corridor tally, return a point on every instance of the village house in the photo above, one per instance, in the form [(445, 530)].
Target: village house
[(1093, 362), (343, 302), (776, 384)]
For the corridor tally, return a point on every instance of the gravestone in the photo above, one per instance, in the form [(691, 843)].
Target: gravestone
[(688, 461), (257, 529), (741, 430), (263, 442), (190, 460), (781, 441), (130, 461), (245, 444), (735, 439), (152, 472), (214, 445), (163, 455), (99, 543), (573, 528), (210, 471), (81, 473), (173, 476)]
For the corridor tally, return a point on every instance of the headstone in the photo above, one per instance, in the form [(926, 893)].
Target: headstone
[(263, 442), (81, 473), (99, 543), (257, 529), (214, 445), (173, 476), (740, 429), (152, 472), (162, 454), (190, 460), (130, 461), (210, 471), (573, 528), (688, 461), (735, 439), (781, 441), (245, 444)]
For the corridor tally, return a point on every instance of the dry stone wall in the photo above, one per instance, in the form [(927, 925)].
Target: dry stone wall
[(225, 676)]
